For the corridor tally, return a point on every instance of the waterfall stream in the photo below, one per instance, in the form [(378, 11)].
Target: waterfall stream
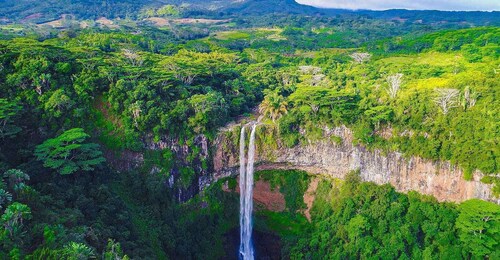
[(246, 195)]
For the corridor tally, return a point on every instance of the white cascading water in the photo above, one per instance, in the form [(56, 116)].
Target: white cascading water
[(242, 190), (246, 195)]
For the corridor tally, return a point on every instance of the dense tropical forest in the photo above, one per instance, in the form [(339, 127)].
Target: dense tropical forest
[(110, 112)]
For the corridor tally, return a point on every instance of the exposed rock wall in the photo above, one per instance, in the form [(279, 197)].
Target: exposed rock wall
[(184, 157), (181, 153), (440, 179)]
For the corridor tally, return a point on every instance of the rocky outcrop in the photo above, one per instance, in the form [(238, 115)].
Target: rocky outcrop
[(264, 195), (185, 156), (194, 156), (439, 179)]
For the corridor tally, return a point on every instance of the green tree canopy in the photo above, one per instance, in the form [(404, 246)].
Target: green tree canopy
[(13, 217), (479, 225), (68, 153), (8, 110)]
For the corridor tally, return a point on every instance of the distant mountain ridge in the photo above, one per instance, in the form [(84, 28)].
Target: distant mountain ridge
[(271, 6), (91, 9)]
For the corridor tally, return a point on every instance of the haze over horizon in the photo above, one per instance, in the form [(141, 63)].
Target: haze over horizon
[(443, 5)]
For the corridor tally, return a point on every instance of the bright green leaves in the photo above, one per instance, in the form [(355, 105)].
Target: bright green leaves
[(380, 114), (76, 251), (361, 220), (274, 106), (57, 103), (479, 225), (209, 110), (325, 104), (356, 227), (192, 67), (13, 218), (168, 10), (68, 153), (114, 251)]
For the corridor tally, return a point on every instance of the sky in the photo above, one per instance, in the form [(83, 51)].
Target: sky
[(448, 5)]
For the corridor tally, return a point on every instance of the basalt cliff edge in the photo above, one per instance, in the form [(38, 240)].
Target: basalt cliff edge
[(439, 179)]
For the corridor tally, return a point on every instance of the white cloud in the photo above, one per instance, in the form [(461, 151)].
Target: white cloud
[(455, 5)]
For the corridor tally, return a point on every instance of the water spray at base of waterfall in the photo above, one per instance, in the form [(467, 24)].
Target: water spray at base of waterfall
[(246, 195)]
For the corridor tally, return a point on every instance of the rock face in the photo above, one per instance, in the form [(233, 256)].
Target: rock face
[(187, 158), (194, 156), (439, 179), (264, 196)]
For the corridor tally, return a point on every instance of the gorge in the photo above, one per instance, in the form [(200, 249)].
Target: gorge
[(335, 159)]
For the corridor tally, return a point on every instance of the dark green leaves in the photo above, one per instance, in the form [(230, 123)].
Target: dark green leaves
[(8, 110)]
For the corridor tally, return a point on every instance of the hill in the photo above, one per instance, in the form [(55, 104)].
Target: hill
[(44, 11)]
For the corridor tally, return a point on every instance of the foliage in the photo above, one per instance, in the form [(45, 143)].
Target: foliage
[(479, 226), (353, 95), (8, 110), (273, 106), (77, 251), (114, 251), (151, 94), (291, 183), (68, 153), (16, 179), (13, 221), (362, 220)]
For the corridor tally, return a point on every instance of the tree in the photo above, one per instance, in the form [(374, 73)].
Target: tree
[(136, 111), (360, 57), (209, 110), (133, 57), (8, 111), (446, 98), (68, 153), (468, 98), (77, 251), (5, 198), (394, 82), (379, 114), (274, 106), (57, 103), (356, 227), (13, 217), (114, 251), (16, 179), (479, 227), (168, 10)]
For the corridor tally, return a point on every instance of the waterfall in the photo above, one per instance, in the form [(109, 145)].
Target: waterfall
[(246, 195), (242, 190)]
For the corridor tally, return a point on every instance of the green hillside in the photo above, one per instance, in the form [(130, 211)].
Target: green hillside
[(109, 131)]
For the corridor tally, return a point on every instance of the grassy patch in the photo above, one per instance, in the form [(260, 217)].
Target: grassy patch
[(283, 224), (232, 35)]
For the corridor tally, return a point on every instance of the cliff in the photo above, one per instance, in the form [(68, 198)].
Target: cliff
[(439, 179), (184, 184)]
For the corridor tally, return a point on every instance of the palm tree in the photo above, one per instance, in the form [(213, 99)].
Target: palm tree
[(274, 106)]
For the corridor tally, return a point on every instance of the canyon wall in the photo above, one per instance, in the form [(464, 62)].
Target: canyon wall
[(439, 179), (183, 156)]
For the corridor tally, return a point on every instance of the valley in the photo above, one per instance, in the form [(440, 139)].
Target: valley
[(253, 129)]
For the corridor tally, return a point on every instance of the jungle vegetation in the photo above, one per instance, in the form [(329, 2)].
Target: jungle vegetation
[(79, 106)]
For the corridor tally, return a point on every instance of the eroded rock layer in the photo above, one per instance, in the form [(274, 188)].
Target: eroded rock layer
[(439, 179)]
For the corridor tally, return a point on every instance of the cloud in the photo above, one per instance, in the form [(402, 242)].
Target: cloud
[(448, 5)]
